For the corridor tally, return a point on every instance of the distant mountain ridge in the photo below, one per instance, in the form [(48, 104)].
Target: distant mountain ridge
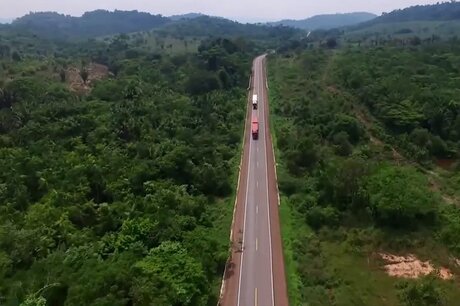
[(103, 22), (327, 21), (432, 12), (100, 23), (91, 24), (221, 27), (186, 16)]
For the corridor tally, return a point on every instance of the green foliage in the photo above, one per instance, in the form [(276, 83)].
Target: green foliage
[(322, 216), (169, 276), (350, 126), (202, 82), (424, 292), (26, 89), (34, 301), (411, 92), (342, 145), (15, 56), (450, 225), (339, 117), (114, 195), (396, 199)]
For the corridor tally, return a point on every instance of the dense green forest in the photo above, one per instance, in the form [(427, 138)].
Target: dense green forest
[(121, 193), (413, 92), (367, 145)]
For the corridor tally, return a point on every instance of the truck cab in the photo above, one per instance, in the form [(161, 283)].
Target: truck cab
[(255, 127), (254, 102)]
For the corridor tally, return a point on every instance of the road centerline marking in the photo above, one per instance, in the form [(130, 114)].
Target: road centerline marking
[(245, 216)]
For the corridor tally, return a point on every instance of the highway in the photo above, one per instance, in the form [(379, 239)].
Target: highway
[(256, 275)]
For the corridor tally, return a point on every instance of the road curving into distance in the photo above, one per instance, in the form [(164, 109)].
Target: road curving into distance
[(255, 272)]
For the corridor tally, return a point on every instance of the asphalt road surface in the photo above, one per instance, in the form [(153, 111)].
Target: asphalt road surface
[(255, 274)]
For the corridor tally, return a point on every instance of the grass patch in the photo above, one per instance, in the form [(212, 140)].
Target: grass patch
[(290, 225), (362, 279)]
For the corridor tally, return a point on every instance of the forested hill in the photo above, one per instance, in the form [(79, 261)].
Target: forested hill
[(104, 23), (327, 21), (221, 27), (186, 16), (91, 24), (436, 12)]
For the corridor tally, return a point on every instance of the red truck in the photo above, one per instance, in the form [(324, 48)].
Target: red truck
[(255, 127)]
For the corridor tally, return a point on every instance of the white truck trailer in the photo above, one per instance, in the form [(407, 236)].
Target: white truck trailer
[(254, 102)]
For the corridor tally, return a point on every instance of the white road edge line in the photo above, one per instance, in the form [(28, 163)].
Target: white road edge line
[(268, 199), (244, 222), (222, 287), (276, 176), (274, 157)]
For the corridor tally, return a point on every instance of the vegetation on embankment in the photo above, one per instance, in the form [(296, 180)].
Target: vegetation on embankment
[(358, 134)]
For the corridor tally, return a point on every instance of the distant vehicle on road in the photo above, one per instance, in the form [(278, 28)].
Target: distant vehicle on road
[(255, 127), (254, 102)]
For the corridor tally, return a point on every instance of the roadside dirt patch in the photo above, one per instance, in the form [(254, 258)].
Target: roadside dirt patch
[(95, 72), (446, 163), (411, 267)]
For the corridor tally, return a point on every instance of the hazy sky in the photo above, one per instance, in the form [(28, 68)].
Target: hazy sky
[(244, 10)]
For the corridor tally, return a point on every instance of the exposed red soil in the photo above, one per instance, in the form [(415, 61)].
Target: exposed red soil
[(411, 267), (77, 84)]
